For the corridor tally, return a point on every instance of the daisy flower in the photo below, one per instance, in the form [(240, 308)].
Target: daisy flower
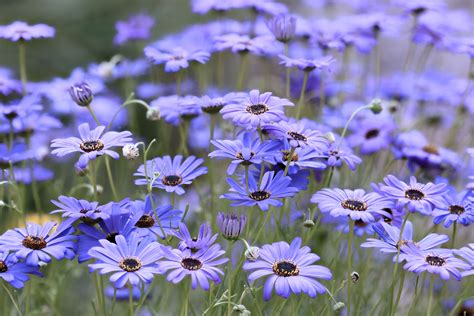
[(455, 209), (71, 207), (289, 268), (356, 204), (298, 135), (303, 157), (137, 27), (14, 272), (21, 31), (467, 253), (130, 261), (307, 64), (170, 174), (415, 196), (92, 144), (201, 266), (273, 187), (38, 244), (203, 240), (336, 156), (176, 58), (256, 110)]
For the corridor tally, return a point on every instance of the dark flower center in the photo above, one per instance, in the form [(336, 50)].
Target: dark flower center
[(259, 195), (286, 154), (297, 136), (435, 261), (285, 268), (172, 180), (372, 133), (414, 194), (257, 109), (212, 109), (191, 264), (87, 211), (456, 209), (354, 205), (145, 221), (360, 223), (386, 219), (34, 242), (111, 237), (431, 149), (241, 157), (3, 267), (130, 264), (91, 145)]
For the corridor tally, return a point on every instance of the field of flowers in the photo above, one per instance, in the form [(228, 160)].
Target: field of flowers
[(310, 157)]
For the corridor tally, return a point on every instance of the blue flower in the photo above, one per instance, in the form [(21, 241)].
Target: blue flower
[(14, 272), (214, 105), (18, 153), (173, 109), (170, 174), (372, 134), (231, 225), (137, 27), (92, 144), (467, 253), (203, 240), (176, 58), (273, 187), (71, 207), (289, 268), (283, 27), (415, 196), (19, 30), (336, 156), (302, 158), (455, 209), (298, 135), (250, 150), (131, 261), (323, 63), (38, 244)]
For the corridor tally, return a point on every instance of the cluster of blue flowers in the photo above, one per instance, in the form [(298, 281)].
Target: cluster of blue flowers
[(291, 159)]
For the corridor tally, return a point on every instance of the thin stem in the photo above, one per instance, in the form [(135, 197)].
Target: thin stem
[(260, 230), (399, 294), (130, 300), (96, 120), (22, 61), (287, 86), (114, 300), (111, 178), (430, 298), (229, 294), (344, 131), (303, 90), (12, 299), (288, 160), (94, 179), (349, 265), (243, 67), (184, 310), (453, 238), (178, 83)]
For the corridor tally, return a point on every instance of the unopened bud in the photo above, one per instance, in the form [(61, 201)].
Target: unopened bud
[(252, 253), (355, 277), (338, 306), (330, 137), (81, 93), (153, 114), (131, 151), (308, 223), (241, 309), (100, 189), (376, 106)]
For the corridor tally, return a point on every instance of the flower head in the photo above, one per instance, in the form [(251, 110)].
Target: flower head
[(455, 209), (81, 93), (21, 31), (92, 144), (204, 239), (70, 207), (289, 268), (176, 58), (467, 253), (323, 63), (137, 27), (231, 225), (298, 135), (14, 272), (283, 27)]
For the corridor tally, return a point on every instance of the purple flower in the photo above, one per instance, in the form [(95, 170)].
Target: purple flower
[(20, 31), (92, 144), (336, 156), (298, 135), (37, 244), (204, 239), (201, 266), (81, 93), (8, 84), (170, 174), (214, 105), (71, 207), (250, 150), (243, 44), (356, 204), (137, 27), (303, 157), (390, 241), (273, 187), (283, 27), (289, 268), (174, 108), (455, 209), (467, 253), (436, 261), (257, 110), (176, 58), (18, 153), (231, 225), (415, 196), (372, 134), (14, 272), (131, 261), (307, 64)]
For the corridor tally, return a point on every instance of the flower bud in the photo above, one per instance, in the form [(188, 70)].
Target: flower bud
[(330, 137), (231, 225), (252, 253), (308, 223), (376, 106), (153, 114), (131, 151), (283, 27), (338, 306), (355, 277), (81, 93), (241, 309)]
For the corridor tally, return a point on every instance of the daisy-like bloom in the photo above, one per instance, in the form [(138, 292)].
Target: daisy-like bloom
[(415, 196), (203, 240), (323, 63), (336, 156), (8, 83), (170, 174), (150, 219), (20, 31), (390, 241), (231, 225), (92, 144), (173, 109), (306, 157), (250, 150), (14, 272), (283, 27), (131, 260), (256, 110), (201, 266), (356, 204), (239, 43), (137, 27), (273, 187), (298, 135), (289, 268), (436, 261), (37, 243), (455, 209), (176, 58), (372, 134), (70, 207), (214, 105), (467, 253), (18, 153)]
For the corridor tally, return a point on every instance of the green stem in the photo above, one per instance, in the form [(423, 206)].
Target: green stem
[(303, 90), (229, 269), (22, 60), (178, 83), (430, 298), (399, 294), (353, 115), (288, 160), (454, 234), (130, 300), (94, 179), (96, 120), (17, 307), (349, 265), (185, 306), (243, 67), (262, 227), (287, 86), (111, 178)]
